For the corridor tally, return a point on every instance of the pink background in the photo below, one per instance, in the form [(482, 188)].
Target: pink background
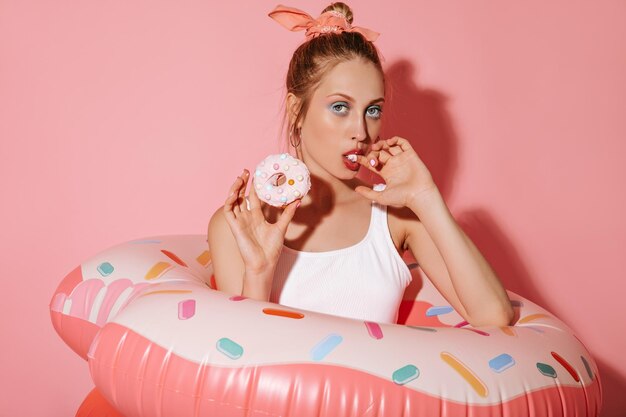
[(120, 121)]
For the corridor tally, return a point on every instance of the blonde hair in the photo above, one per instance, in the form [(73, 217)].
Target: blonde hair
[(317, 56)]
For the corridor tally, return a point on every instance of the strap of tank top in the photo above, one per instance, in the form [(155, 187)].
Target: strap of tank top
[(380, 210)]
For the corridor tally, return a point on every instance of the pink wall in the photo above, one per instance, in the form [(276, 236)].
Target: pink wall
[(120, 120)]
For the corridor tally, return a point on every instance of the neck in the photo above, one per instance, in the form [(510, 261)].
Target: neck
[(324, 194)]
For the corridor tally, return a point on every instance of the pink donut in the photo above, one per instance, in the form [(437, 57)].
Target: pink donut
[(280, 178)]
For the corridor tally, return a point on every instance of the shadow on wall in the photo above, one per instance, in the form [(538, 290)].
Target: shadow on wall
[(420, 115)]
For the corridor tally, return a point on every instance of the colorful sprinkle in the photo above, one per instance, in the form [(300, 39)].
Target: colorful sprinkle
[(237, 298), (569, 368), (105, 268), (166, 292), (533, 317), (405, 374), (174, 258), (204, 258), (291, 182), (229, 348), (276, 166), (587, 367), (508, 330), (437, 311), (466, 373), (325, 346), (286, 168), (157, 270), (374, 329), (501, 362), (535, 328), (426, 329), (283, 313), (546, 369), (480, 332), (186, 309), (283, 156), (299, 177)]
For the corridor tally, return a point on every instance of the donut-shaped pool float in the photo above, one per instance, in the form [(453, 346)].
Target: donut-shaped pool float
[(279, 179), (161, 341)]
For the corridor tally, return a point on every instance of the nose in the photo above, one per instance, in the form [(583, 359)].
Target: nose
[(360, 130)]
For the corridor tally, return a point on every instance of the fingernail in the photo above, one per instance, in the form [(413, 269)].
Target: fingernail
[(372, 162)]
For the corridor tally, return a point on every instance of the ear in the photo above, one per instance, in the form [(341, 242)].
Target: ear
[(293, 105)]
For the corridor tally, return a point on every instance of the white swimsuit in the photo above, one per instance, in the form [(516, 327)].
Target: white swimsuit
[(364, 281)]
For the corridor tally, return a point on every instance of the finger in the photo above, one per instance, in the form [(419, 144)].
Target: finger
[(384, 144), (287, 215), (368, 192), (255, 202), (228, 208), (384, 156), (369, 162), (235, 196), (230, 202), (241, 200), (378, 145), (401, 142), (372, 155), (394, 150)]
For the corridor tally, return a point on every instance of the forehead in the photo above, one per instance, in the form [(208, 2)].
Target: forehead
[(356, 78)]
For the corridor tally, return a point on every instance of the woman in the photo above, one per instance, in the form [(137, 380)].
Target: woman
[(307, 257)]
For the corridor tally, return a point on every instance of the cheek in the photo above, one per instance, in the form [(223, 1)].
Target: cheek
[(326, 122), (323, 128)]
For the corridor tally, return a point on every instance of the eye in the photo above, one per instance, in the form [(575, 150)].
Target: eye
[(337, 106), (377, 112)]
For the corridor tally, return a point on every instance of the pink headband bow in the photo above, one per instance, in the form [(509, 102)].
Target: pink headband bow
[(330, 21)]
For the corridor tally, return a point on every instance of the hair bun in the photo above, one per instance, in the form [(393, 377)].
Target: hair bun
[(342, 8)]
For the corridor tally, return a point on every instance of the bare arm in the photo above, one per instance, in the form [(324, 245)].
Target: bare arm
[(228, 267), (244, 246), (454, 264), (448, 257)]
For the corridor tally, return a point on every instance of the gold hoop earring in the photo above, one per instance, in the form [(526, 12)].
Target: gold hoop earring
[(299, 138)]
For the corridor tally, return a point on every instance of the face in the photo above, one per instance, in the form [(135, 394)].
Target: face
[(344, 114)]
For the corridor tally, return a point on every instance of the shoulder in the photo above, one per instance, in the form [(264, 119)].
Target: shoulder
[(217, 223)]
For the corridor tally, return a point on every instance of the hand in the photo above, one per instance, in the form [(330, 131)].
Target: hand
[(259, 241), (404, 173)]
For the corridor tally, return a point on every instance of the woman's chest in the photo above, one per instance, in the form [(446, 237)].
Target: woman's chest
[(340, 232)]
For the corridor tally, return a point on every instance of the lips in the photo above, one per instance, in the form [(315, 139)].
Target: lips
[(352, 165), (354, 151)]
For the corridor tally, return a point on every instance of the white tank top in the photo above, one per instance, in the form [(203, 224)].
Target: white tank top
[(364, 281)]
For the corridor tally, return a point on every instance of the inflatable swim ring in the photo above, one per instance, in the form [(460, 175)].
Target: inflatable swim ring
[(160, 341)]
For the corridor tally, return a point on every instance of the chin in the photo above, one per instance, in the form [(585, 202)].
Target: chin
[(347, 174)]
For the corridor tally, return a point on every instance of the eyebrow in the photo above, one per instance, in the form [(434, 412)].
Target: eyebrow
[(351, 99)]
